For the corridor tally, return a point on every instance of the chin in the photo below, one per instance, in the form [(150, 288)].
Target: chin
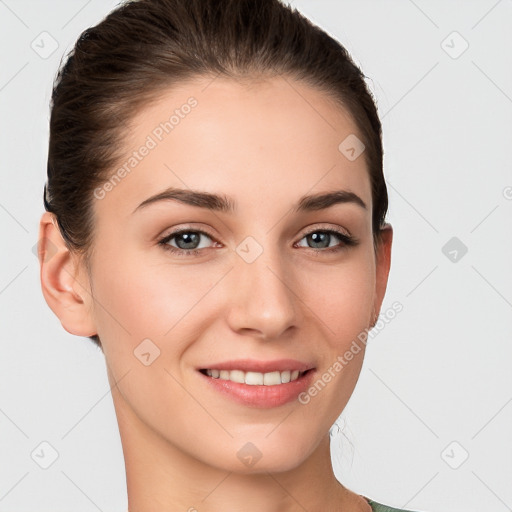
[(263, 455)]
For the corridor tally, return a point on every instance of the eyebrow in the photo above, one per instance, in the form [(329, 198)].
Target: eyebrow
[(223, 203)]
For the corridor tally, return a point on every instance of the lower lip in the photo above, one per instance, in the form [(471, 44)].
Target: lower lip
[(259, 395)]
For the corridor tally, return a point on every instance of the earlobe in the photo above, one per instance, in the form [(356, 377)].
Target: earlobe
[(63, 281), (383, 264)]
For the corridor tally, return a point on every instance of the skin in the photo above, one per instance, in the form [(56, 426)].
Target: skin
[(265, 144)]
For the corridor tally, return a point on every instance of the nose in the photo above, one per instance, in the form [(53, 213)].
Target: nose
[(262, 301)]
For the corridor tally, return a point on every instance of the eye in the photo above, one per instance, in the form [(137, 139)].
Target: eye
[(321, 238), (187, 242)]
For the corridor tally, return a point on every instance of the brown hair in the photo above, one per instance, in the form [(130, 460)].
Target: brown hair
[(145, 46)]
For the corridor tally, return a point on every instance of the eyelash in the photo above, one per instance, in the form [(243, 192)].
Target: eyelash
[(348, 241)]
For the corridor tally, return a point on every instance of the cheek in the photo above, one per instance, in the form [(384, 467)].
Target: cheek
[(343, 307), (136, 300), (342, 298), (148, 316)]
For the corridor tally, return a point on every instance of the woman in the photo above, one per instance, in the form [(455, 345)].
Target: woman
[(216, 224)]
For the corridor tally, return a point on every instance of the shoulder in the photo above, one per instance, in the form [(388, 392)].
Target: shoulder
[(379, 507)]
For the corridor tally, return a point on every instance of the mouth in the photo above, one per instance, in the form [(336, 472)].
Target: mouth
[(255, 378), (263, 390)]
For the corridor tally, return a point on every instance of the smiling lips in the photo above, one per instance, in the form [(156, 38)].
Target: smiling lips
[(260, 383)]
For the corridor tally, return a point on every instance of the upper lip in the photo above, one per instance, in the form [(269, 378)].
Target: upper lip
[(252, 365)]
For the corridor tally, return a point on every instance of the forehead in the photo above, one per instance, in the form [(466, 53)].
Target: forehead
[(275, 138)]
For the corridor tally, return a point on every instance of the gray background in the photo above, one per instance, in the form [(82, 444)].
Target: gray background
[(436, 383)]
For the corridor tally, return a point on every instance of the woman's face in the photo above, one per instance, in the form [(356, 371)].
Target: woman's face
[(268, 281)]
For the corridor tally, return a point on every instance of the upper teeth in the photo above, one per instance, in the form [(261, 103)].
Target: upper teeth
[(255, 378)]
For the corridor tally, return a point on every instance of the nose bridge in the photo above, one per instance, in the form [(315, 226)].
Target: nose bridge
[(262, 294)]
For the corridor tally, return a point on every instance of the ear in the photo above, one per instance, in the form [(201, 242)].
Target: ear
[(383, 263), (64, 280)]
